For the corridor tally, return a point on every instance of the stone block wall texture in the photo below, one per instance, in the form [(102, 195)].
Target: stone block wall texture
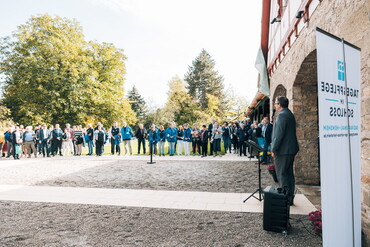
[(349, 19)]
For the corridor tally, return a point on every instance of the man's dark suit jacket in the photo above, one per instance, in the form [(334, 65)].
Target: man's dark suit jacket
[(141, 134), (41, 134), (284, 138), (268, 133)]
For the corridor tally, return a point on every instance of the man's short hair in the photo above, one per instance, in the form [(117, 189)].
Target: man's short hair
[(283, 101)]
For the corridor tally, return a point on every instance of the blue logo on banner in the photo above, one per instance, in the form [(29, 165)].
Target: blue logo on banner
[(341, 70)]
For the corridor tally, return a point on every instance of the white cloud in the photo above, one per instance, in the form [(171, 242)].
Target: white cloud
[(118, 5), (175, 31)]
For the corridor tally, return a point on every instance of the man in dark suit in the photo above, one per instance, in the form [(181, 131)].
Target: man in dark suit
[(210, 128), (141, 135), (57, 135), (284, 146), (266, 134), (115, 133), (43, 137)]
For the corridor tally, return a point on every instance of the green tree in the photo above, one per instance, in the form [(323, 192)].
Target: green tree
[(203, 79), (180, 107), (137, 103), (107, 65), (5, 119), (236, 105), (51, 74)]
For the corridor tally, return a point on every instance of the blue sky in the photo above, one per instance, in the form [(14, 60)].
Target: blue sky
[(161, 38)]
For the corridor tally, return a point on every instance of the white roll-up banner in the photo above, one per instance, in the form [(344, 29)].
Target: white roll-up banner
[(339, 102)]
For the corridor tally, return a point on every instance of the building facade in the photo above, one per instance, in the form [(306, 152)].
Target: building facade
[(288, 42)]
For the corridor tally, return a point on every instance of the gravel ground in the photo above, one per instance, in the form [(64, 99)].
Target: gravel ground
[(54, 225), (46, 224), (219, 176)]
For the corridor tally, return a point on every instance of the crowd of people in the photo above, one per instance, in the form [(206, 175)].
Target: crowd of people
[(203, 140)]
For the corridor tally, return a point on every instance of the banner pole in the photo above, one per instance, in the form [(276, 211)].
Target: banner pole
[(349, 143)]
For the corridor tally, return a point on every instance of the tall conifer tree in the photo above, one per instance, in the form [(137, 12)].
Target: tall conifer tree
[(203, 79), (137, 103)]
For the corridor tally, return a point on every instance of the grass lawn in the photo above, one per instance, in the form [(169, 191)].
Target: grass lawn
[(134, 143)]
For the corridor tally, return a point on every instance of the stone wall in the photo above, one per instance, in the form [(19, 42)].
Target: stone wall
[(307, 167), (349, 19)]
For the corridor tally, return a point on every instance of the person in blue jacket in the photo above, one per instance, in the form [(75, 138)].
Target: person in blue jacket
[(171, 133), (161, 140), (126, 134), (153, 139), (187, 138)]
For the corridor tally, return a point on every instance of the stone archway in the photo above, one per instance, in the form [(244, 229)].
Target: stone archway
[(279, 91), (307, 168)]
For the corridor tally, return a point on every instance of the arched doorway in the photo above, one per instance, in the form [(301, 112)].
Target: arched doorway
[(279, 91), (305, 109)]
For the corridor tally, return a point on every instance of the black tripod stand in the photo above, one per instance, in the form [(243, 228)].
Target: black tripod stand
[(151, 147), (259, 190)]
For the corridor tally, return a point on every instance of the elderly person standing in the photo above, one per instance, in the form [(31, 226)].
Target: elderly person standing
[(29, 142), (226, 137), (67, 145), (180, 140), (216, 136), (9, 140), (44, 135), (153, 139), (187, 138), (141, 135), (161, 140), (204, 137), (195, 137), (242, 136), (78, 136), (90, 138), (17, 143), (171, 133), (126, 134), (266, 134), (57, 135), (210, 130), (115, 139), (99, 136)]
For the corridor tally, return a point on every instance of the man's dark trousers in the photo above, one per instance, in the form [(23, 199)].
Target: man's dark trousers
[(57, 146), (285, 173), (114, 146), (44, 148), (139, 143)]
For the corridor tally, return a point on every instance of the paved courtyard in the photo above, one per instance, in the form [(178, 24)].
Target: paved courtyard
[(123, 201)]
